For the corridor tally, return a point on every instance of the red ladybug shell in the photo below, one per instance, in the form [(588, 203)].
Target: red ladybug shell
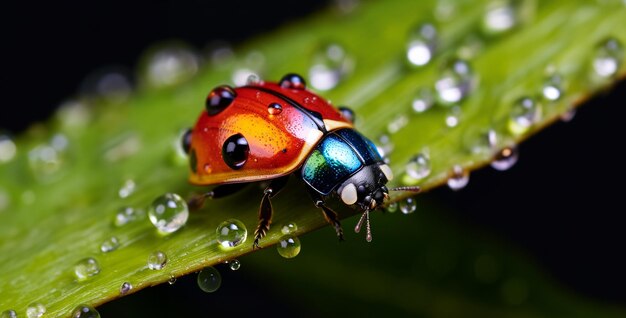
[(279, 143)]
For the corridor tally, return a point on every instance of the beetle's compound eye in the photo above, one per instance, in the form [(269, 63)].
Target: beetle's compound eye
[(347, 113), (348, 194), (219, 98), (235, 151), (293, 81), (186, 141)]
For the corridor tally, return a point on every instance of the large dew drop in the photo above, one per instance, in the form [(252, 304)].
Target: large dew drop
[(422, 44), (288, 246), (608, 58), (552, 89), (408, 205), (168, 213), (209, 280), (8, 314), (85, 311), (459, 178), (110, 244), (500, 16), (234, 264), (86, 268), (231, 233), (157, 260), (418, 167), (170, 65), (455, 82), (330, 65), (525, 113), (126, 288), (505, 159), (35, 310)]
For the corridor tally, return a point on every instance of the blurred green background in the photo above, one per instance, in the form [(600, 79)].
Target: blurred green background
[(542, 239)]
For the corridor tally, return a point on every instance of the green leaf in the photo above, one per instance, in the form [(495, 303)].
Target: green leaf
[(58, 204)]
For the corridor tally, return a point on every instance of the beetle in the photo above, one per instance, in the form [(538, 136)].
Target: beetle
[(267, 131)]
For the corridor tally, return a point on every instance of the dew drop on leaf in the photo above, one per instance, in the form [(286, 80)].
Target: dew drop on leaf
[(209, 279), (231, 233), (288, 246), (85, 311), (168, 213)]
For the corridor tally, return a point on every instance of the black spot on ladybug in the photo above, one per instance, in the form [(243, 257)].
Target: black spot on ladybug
[(235, 151), (193, 161), (293, 81), (219, 98), (284, 150), (347, 113), (186, 140)]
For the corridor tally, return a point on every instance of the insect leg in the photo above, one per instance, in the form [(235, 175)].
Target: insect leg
[(330, 215), (197, 201), (265, 210)]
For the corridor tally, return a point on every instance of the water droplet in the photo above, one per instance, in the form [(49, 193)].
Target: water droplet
[(289, 228), (241, 76), (568, 115), (168, 213), (7, 149), (471, 46), (44, 161), (35, 310), (423, 101), (552, 88), (8, 314), (453, 116), (422, 45), (219, 53), (608, 58), (500, 17), (274, 109), (408, 205), (59, 142), (418, 167), (172, 280), (231, 233), (110, 83), (209, 279), (483, 142), (505, 159), (85, 311), (459, 178), (234, 264), (330, 65), (385, 146), (157, 260), (397, 123), (125, 288), (392, 207), (170, 65), (109, 245), (86, 268), (455, 83), (288, 246), (127, 189), (525, 113), (127, 214), (73, 114), (445, 10)]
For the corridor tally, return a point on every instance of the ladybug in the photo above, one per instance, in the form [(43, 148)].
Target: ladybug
[(267, 131)]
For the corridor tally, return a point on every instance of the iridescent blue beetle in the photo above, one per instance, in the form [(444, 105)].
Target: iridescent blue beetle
[(268, 131)]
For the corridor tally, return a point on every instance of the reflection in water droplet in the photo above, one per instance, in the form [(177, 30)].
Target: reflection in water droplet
[(525, 113), (408, 205), (157, 260), (127, 214), (127, 189), (85, 311), (168, 213), (109, 245), (459, 178), (125, 288), (231, 233), (608, 58), (418, 167), (500, 17), (168, 66), (288, 246), (209, 279), (453, 116), (7, 149), (330, 65), (234, 264), (423, 101), (422, 45), (397, 123), (552, 88), (505, 159), (455, 82), (289, 228), (35, 310), (392, 207), (86, 268), (8, 314)]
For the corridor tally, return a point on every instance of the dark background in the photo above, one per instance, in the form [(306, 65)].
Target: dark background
[(562, 202)]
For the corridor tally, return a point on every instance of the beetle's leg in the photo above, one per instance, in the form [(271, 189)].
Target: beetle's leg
[(330, 215), (197, 201), (265, 211)]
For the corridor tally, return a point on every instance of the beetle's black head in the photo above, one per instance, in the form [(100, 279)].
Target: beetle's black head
[(366, 189)]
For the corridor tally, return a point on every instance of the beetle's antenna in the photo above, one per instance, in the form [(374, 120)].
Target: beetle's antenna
[(365, 217), (414, 189)]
